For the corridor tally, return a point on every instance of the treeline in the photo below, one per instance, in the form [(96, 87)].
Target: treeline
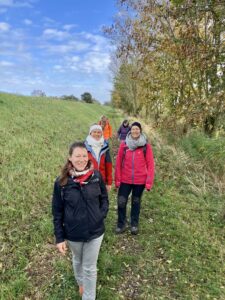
[(170, 61), (85, 97)]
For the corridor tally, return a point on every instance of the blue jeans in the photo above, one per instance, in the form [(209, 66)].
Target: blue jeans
[(84, 257), (123, 194)]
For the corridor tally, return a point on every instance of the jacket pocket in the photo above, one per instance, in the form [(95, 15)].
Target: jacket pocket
[(94, 191)]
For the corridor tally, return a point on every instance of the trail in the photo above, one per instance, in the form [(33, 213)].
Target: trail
[(174, 256)]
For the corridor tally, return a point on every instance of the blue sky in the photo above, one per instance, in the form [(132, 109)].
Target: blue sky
[(56, 46)]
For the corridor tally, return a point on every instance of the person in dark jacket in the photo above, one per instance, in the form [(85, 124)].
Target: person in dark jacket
[(134, 172), (79, 206), (99, 154), (123, 130)]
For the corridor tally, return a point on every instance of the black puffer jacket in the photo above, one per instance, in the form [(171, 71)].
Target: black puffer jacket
[(79, 210)]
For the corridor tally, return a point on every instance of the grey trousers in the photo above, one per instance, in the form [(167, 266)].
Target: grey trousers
[(85, 257)]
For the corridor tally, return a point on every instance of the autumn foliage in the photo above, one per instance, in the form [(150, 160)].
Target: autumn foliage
[(171, 61)]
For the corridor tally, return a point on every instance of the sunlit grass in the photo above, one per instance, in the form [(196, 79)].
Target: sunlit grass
[(179, 253)]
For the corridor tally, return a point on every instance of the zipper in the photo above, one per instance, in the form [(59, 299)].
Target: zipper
[(85, 200)]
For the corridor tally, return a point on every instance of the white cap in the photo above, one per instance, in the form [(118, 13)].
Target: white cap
[(95, 127)]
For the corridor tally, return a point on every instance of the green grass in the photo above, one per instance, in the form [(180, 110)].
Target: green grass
[(179, 253), (208, 150)]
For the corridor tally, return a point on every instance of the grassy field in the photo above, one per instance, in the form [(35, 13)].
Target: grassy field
[(179, 253)]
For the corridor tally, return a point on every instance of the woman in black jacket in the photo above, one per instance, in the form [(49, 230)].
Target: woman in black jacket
[(79, 207)]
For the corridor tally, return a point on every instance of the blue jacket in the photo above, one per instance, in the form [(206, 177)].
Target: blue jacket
[(122, 132)]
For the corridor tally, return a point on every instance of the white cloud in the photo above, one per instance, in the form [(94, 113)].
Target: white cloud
[(96, 62), (89, 63), (27, 22), (5, 63), (59, 68), (55, 34), (69, 26), (47, 19), (14, 43), (85, 53), (24, 83), (4, 26), (48, 22), (12, 3), (75, 58), (6, 2), (94, 37), (54, 60), (99, 42), (71, 46)]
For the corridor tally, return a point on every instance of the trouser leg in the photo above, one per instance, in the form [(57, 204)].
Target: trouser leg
[(90, 258), (123, 194), (77, 253), (137, 192)]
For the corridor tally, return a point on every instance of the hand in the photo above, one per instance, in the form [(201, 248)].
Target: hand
[(108, 187), (62, 247), (116, 188), (147, 188), (117, 185)]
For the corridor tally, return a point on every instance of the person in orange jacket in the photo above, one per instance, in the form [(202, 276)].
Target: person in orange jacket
[(106, 127)]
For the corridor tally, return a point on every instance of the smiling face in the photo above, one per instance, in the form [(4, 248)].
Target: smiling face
[(135, 132), (96, 134), (79, 158)]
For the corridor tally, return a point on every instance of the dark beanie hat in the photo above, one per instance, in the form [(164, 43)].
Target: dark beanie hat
[(136, 124)]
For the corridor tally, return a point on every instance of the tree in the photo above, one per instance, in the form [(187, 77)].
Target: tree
[(38, 93), (69, 97), (177, 60), (127, 89), (87, 97)]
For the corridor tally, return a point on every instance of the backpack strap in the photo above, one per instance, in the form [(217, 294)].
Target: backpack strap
[(124, 152), (144, 148)]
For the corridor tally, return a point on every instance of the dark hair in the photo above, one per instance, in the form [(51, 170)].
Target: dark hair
[(68, 165), (137, 124), (125, 121)]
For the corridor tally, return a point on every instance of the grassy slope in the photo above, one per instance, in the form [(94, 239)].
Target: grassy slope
[(179, 253)]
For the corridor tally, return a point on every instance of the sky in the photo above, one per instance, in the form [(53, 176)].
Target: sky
[(56, 46)]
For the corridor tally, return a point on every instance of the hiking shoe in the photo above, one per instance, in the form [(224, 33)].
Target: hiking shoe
[(120, 229), (134, 230)]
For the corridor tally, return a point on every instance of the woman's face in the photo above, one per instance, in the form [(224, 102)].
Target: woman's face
[(96, 134), (135, 132), (79, 158)]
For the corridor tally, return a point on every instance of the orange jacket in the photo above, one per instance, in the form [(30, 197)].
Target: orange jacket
[(107, 131)]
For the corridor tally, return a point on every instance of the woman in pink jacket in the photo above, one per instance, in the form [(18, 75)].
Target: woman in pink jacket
[(134, 172)]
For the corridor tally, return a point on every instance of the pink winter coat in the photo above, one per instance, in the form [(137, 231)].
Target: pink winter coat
[(134, 167)]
